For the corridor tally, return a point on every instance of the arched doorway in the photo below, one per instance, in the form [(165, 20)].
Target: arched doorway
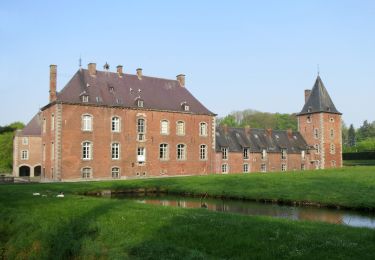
[(24, 171), (37, 171)]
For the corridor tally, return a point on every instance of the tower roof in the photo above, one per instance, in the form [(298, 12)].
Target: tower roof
[(319, 100)]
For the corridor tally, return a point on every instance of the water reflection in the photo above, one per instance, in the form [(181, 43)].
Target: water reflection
[(344, 217)]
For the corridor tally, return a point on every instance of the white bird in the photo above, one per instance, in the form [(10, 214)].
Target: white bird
[(36, 194)]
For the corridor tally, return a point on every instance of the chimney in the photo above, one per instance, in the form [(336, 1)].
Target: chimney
[(52, 82), (92, 69), (225, 128), (139, 73), (307, 94), (269, 131), (247, 129), (289, 132), (181, 79), (119, 70)]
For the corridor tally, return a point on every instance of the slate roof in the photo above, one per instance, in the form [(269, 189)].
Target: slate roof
[(108, 89), (319, 100), (33, 128), (258, 139)]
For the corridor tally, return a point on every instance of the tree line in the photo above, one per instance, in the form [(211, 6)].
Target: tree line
[(359, 140), (6, 144)]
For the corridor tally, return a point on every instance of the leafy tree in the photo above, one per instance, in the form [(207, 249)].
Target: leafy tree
[(367, 130), (229, 120), (6, 144), (351, 136)]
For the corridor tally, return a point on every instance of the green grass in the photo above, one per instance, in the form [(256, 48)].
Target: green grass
[(88, 227)]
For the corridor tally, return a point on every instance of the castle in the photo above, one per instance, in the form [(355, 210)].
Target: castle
[(113, 125)]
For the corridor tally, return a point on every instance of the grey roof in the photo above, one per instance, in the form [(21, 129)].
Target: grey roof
[(33, 128), (258, 139), (319, 100), (108, 89)]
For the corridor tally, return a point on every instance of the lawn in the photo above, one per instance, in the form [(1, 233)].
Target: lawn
[(77, 226)]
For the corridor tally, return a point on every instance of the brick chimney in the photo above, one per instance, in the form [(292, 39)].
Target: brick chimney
[(52, 82), (225, 128), (269, 131), (92, 69), (289, 131), (247, 129), (119, 71), (139, 73), (181, 79), (307, 94)]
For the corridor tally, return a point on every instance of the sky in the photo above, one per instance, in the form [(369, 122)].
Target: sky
[(235, 54)]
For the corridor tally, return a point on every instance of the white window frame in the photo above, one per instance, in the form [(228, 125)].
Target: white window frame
[(203, 152), (115, 151), (264, 154), (246, 168), (303, 167), (25, 155), (86, 150), (283, 167), (164, 127), (52, 151), (181, 152), (87, 122), (224, 153), (141, 154), (44, 125), (85, 98), (180, 128), (52, 122), (141, 129), (317, 148), (164, 152), (332, 149), (203, 129), (263, 167), (303, 155), (224, 168), (140, 103), (25, 140), (115, 124), (284, 154), (246, 153), (115, 172), (86, 173)]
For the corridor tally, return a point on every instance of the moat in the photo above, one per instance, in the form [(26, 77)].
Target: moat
[(334, 216)]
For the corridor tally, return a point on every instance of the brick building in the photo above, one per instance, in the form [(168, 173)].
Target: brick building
[(112, 125)]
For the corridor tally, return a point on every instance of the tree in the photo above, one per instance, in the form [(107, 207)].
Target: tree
[(229, 120), (367, 130), (351, 136)]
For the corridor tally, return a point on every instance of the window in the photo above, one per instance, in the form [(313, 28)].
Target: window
[(186, 107), (203, 129), (86, 151), (263, 167), (333, 164), (303, 154), (224, 168), (181, 152), (44, 125), (52, 122), (332, 133), (141, 154), (25, 140), (140, 103), (245, 167), (303, 167), (87, 123), (163, 152), (180, 128), (115, 125), (283, 154), (203, 152), (86, 173), (246, 153), (24, 155), (308, 119), (283, 167), (164, 127), (141, 129), (224, 153), (85, 98), (115, 151), (316, 133), (332, 149), (317, 149), (264, 154), (115, 172), (44, 152), (331, 120), (52, 151)]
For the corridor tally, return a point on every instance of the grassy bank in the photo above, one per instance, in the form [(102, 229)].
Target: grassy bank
[(76, 226)]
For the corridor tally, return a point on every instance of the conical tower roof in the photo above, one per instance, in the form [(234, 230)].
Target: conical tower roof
[(319, 100)]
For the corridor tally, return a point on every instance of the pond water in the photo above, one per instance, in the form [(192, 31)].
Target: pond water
[(335, 216)]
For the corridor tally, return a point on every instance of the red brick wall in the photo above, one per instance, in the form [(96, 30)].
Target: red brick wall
[(324, 122), (33, 147), (101, 137)]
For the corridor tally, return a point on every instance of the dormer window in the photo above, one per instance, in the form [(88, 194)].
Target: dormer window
[(185, 106), (85, 98), (309, 109), (111, 89), (139, 102)]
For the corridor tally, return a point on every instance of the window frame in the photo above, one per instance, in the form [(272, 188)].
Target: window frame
[(25, 140), (164, 127), (115, 151), (246, 153), (245, 168), (224, 168), (164, 152), (224, 153), (181, 152), (180, 125), (284, 154), (89, 152), (203, 129), (263, 167), (141, 129), (203, 151), (84, 173), (118, 175), (115, 126), (24, 155), (84, 123), (283, 167)]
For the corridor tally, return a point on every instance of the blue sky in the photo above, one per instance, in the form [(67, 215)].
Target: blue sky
[(235, 54)]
